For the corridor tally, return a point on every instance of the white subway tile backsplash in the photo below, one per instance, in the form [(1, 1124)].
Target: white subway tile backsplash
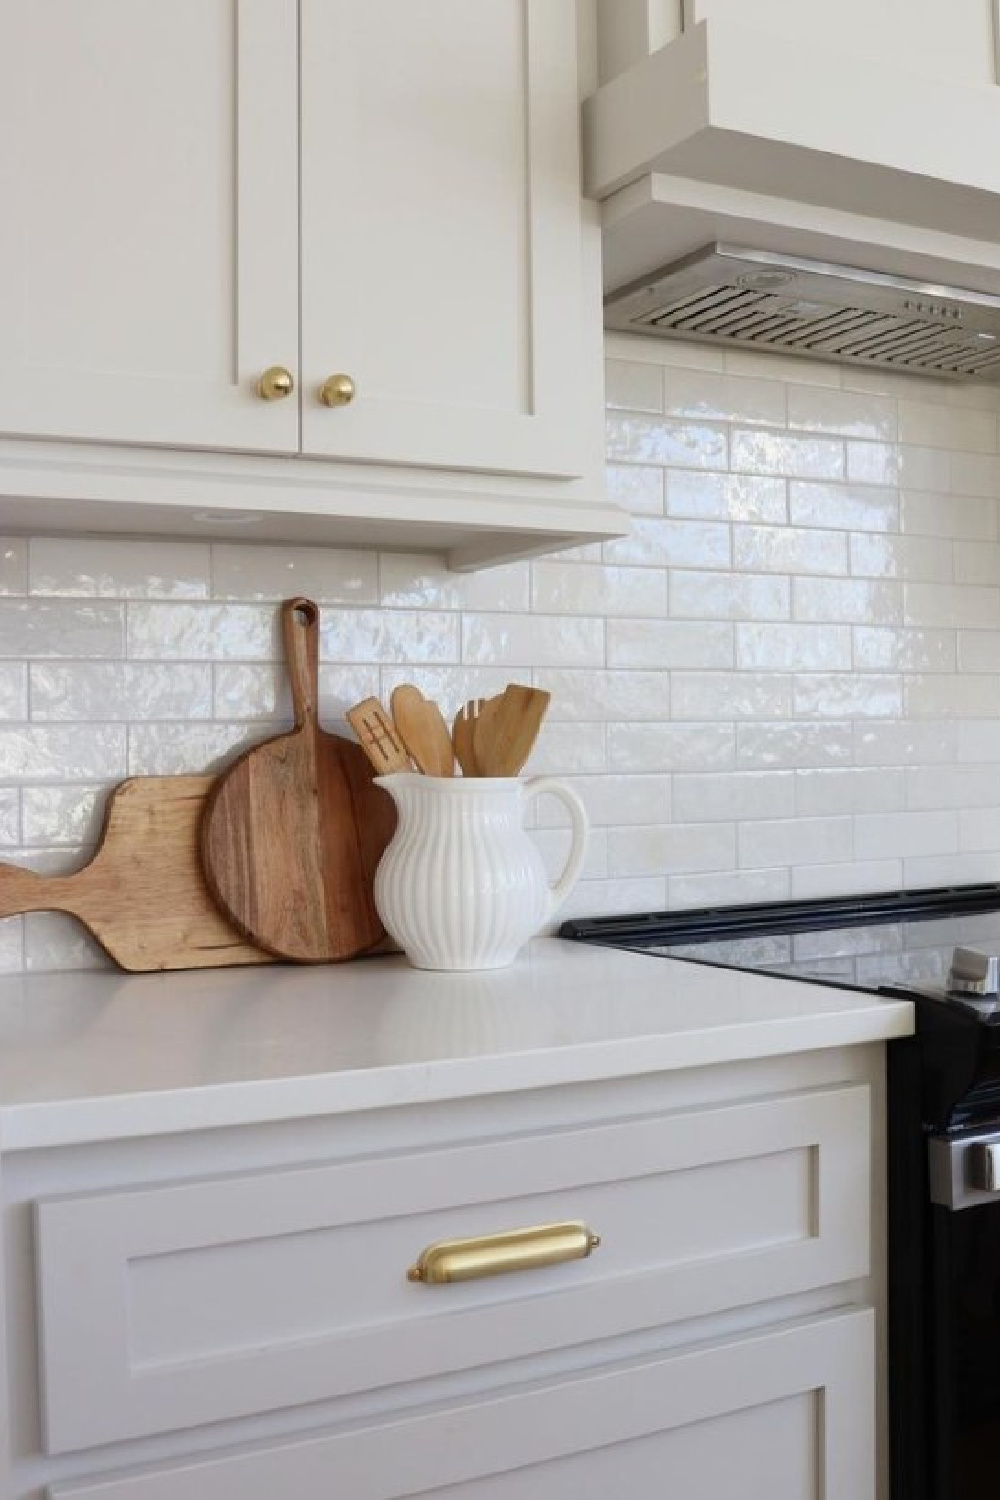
[(112, 569), (787, 549), (97, 691), (57, 627), (714, 596), (589, 588), (635, 748), (13, 565), (532, 640), (670, 543), (632, 386), (655, 440), (670, 643), (845, 507), (793, 648), (726, 497), (845, 413), (727, 797), (639, 489), (755, 452), (784, 681), (408, 581), (723, 398), (854, 601)]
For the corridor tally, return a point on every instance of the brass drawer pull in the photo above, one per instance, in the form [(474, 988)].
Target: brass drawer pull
[(494, 1254)]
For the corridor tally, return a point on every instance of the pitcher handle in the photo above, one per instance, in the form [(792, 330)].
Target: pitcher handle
[(535, 786)]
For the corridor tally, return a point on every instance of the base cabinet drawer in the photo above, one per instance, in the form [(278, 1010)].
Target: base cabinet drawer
[(787, 1414), (166, 1307)]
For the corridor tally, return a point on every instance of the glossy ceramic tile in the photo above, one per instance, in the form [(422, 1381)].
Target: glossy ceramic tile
[(788, 549), (60, 627), (119, 570), (562, 588), (713, 596), (639, 489), (670, 543), (844, 507), (13, 565), (726, 497), (845, 413), (785, 680), (325, 574), (670, 643)]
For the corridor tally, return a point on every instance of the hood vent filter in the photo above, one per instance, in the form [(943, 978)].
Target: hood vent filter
[(723, 295)]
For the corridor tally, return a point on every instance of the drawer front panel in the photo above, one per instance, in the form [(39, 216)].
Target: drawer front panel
[(166, 1307), (787, 1413)]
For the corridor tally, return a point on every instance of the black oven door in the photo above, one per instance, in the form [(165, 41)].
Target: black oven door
[(964, 1316)]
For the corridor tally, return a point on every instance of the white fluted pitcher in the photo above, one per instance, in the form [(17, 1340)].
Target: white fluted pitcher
[(462, 885)]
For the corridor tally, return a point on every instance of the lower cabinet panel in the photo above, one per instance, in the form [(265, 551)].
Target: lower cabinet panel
[(787, 1414)]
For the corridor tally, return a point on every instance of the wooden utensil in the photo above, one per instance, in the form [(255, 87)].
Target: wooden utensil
[(512, 730), (294, 830), (483, 733), (378, 737), (423, 731), (142, 895), (463, 735)]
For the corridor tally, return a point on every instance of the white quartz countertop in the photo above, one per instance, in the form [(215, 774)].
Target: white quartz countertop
[(99, 1056)]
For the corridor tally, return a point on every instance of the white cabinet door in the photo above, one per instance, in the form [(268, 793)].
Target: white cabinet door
[(441, 232), (140, 144), (948, 39), (786, 1414)]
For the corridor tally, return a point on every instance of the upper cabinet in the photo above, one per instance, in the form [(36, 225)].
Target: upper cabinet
[(149, 260), (858, 133), (317, 268)]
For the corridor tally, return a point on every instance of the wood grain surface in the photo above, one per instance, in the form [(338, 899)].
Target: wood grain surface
[(143, 895), (294, 830)]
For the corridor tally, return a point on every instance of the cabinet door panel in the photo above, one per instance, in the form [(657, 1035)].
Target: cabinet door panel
[(786, 1414), (441, 231), (139, 143), (941, 40)]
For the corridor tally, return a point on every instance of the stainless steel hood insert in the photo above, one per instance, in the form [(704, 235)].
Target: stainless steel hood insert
[(728, 296)]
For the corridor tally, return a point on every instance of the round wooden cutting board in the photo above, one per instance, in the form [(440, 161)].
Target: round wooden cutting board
[(294, 830)]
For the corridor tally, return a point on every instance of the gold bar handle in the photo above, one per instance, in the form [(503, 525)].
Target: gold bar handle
[(495, 1254)]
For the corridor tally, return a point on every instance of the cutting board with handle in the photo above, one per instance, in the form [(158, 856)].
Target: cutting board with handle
[(294, 830), (143, 895)]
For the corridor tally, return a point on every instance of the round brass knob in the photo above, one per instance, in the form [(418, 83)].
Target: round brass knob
[(339, 390), (275, 384)]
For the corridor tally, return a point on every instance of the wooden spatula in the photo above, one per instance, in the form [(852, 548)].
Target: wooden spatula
[(378, 737), (423, 731), (143, 895), (512, 730), (483, 733), (295, 828), (463, 736)]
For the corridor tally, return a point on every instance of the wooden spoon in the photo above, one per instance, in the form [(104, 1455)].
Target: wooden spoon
[(423, 731), (463, 736), (512, 730)]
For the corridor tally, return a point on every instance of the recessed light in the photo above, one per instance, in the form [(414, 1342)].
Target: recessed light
[(227, 517)]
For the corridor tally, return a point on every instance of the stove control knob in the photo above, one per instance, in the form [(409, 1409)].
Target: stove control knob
[(983, 1167), (974, 973)]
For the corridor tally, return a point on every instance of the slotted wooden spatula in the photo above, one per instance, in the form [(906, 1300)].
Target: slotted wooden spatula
[(378, 737), (143, 895), (512, 730), (294, 830)]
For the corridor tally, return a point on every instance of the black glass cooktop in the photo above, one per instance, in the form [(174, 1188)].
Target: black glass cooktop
[(901, 942)]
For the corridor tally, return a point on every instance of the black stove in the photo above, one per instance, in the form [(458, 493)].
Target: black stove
[(939, 948)]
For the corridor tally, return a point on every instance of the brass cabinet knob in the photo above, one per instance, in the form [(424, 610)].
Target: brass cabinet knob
[(339, 390), (275, 384)]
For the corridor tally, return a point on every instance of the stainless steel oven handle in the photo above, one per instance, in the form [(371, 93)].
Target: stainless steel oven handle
[(964, 1173)]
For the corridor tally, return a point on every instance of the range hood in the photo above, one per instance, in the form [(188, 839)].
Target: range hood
[(756, 299), (866, 195)]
